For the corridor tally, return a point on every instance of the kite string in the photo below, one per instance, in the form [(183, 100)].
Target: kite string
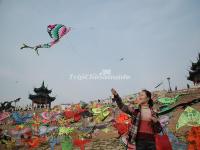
[(72, 47)]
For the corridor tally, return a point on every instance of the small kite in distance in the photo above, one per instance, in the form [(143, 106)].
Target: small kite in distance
[(158, 85), (121, 59)]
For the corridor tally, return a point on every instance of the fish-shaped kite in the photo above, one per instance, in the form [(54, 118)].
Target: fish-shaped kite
[(56, 32)]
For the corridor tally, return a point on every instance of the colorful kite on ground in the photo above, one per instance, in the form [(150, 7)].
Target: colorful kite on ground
[(190, 117), (18, 131), (64, 130), (66, 143), (81, 143), (19, 119), (43, 130), (56, 32), (4, 115), (53, 140), (165, 109), (100, 113), (168, 101), (194, 138), (122, 123)]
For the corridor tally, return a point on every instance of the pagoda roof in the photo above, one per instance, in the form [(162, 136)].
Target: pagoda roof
[(194, 72), (41, 98), (41, 95), (193, 75), (42, 89)]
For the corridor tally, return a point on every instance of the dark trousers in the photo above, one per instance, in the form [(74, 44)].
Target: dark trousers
[(145, 145)]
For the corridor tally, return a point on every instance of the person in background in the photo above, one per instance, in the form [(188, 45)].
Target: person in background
[(176, 88), (188, 86)]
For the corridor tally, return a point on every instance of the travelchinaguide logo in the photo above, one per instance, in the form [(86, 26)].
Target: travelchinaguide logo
[(104, 74)]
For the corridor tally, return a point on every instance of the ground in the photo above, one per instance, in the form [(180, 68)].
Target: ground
[(110, 140)]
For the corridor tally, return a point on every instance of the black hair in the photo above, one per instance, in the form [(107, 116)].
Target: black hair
[(148, 94)]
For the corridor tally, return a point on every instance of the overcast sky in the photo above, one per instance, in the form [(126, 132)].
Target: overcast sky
[(157, 38)]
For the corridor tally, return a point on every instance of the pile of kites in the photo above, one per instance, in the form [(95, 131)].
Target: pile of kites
[(52, 127), (78, 124), (189, 117)]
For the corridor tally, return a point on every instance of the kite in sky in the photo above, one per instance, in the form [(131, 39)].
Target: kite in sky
[(56, 32), (158, 85), (121, 59)]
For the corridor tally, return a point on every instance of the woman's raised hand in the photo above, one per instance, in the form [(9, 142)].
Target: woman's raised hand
[(114, 92)]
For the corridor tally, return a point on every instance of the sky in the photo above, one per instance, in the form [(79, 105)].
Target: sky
[(158, 39)]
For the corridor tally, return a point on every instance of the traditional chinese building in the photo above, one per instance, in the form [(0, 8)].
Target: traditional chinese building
[(41, 96), (194, 73)]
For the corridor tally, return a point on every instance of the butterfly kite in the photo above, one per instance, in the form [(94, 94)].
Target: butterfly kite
[(190, 117), (44, 129), (56, 32), (20, 119), (100, 113), (64, 130)]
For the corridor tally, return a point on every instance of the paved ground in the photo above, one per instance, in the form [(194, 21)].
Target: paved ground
[(106, 144)]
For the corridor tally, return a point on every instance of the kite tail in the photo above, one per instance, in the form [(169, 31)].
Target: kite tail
[(47, 45)]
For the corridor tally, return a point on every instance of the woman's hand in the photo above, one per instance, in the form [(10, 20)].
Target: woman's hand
[(154, 119), (114, 92)]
